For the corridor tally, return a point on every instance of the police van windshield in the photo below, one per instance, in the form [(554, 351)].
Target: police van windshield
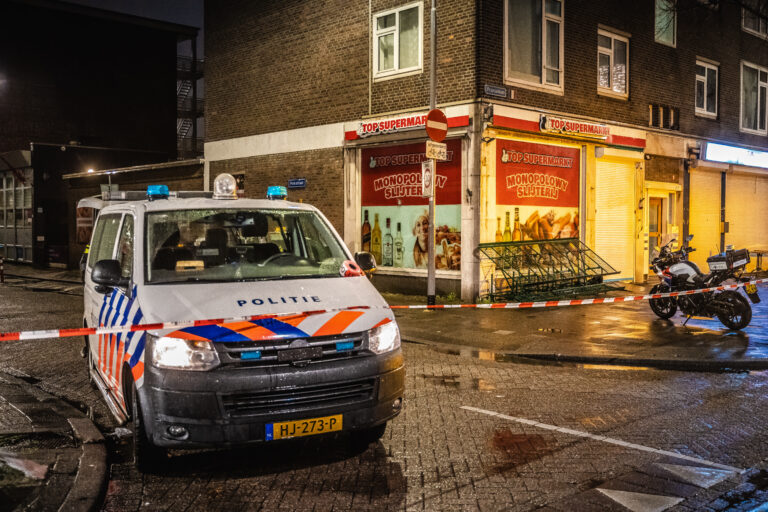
[(239, 245)]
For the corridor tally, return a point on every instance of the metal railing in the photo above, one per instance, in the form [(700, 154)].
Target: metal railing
[(524, 270)]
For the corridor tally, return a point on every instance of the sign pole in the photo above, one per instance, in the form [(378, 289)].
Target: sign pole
[(432, 106)]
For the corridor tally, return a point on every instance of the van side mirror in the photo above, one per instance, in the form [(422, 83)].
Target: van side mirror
[(366, 262), (107, 274)]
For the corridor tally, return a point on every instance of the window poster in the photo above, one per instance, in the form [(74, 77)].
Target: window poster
[(537, 191), (395, 217)]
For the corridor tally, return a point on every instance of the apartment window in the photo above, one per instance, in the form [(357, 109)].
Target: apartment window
[(706, 89), (533, 43), (665, 22), (397, 41), (754, 92), (754, 23), (612, 64)]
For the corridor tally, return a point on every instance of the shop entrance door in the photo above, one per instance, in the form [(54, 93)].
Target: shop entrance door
[(655, 224)]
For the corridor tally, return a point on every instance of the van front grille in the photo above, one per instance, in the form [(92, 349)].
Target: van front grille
[(247, 354), (299, 398)]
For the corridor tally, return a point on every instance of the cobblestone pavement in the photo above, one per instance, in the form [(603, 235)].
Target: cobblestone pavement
[(559, 437)]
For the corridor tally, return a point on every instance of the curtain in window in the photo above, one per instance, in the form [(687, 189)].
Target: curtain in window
[(619, 66), (524, 39), (711, 90), (749, 98), (386, 52), (409, 38)]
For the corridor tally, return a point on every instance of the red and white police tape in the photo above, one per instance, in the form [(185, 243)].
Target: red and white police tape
[(83, 331)]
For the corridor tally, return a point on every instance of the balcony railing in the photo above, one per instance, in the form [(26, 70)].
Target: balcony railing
[(184, 65)]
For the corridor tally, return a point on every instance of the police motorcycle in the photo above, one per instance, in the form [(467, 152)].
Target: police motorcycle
[(679, 274)]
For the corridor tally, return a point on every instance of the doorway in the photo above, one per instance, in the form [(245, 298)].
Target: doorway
[(656, 224)]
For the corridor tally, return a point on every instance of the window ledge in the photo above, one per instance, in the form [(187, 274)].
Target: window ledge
[(549, 89), (754, 32), (614, 95), (753, 132), (706, 115), (670, 45), (398, 74)]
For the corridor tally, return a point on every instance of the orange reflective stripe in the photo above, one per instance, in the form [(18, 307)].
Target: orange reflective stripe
[(249, 330), (186, 336), (138, 371), (338, 323), (383, 322)]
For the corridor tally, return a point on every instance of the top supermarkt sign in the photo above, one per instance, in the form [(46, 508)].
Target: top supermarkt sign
[(573, 127)]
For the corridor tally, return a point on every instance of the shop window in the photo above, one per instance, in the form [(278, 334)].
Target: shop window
[(706, 89), (612, 64), (753, 22), (397, 41), (665, 23), (754, 93), (533, 43)]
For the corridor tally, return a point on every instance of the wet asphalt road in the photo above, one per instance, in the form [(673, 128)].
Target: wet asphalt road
[(568, 437)]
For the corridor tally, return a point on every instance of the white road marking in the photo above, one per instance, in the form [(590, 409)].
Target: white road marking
[(603, 439), (702, 477), (640, 502)]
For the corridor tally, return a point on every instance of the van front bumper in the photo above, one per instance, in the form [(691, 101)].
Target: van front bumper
[(232, 406)]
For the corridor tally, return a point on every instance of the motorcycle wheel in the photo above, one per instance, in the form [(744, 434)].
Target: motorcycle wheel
[(664, 308), (740, 314)]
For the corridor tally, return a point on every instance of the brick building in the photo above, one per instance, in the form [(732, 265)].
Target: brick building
[(80, 88), (622, 125)]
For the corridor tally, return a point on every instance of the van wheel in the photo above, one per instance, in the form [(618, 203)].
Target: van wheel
[(368, 436), (146, 456)]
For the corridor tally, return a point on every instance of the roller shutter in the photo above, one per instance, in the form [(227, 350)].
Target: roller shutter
[(614, 216), (705, 215), (746, 210)]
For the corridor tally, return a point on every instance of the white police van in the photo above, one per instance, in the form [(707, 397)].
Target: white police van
[(323, 354)]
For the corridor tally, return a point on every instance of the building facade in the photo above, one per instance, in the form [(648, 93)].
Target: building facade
[(623, 126), (80, 89)]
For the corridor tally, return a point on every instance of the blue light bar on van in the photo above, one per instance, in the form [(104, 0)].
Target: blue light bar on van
[(157, 192), (735, 155), (277, 192)]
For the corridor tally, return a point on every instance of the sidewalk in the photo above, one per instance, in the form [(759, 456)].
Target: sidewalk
[(619, 333), (52, 457)]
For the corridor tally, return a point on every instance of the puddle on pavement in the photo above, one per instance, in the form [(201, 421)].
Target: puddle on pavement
[(457, 382), (550, 329), (613, 367), (517, 449), (749, 497), (489, 355)]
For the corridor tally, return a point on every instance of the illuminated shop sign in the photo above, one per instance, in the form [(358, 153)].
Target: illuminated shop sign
[(397, 124), (564, 126), (734, 155)]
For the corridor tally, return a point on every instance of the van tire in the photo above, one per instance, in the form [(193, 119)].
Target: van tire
[(146, 456)]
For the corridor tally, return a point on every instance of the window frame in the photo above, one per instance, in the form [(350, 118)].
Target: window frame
[(674, 25), (760, 85), (762, 20), (375, 33), (541, 85), (608, 91), (95, 245), (703, 112)]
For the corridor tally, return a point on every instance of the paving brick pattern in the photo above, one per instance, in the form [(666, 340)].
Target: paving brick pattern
[(435, 455)]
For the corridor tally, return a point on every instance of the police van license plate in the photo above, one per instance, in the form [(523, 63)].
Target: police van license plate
[(299, 354), (298, 428), (751, 288)]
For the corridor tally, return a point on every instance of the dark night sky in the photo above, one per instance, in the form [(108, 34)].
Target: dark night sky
[(185, 12)]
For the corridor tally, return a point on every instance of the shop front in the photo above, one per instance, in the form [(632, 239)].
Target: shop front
[(386, 213), (546, 177)]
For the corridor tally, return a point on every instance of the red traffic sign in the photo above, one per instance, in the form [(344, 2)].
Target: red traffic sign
[(437, 125)]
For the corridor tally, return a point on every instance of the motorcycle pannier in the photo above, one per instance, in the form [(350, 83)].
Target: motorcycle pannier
[(728, 260)]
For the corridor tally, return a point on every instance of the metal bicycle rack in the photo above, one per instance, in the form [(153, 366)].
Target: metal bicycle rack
[(526, 270)]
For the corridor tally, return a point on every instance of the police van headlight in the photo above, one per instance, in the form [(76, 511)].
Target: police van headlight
[(178, 354), (384, 338)]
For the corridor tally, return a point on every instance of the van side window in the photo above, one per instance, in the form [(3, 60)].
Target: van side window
[(125, 246), (104, 236)]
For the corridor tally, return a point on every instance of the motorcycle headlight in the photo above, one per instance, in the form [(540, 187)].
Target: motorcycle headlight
[(178, 354), (384, 338)]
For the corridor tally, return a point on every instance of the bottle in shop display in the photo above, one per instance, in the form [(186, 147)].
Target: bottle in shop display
[(517, 233), (398, 247), (507, 236), (387, 246), (366, 233), (499, 237), (376, 239)]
